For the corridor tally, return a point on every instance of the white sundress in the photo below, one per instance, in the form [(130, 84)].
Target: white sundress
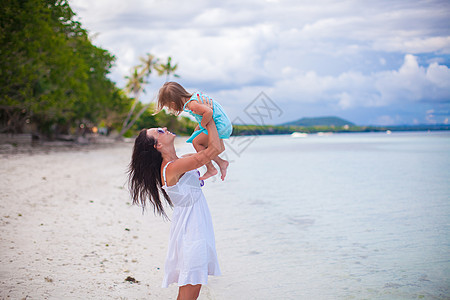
[(191, 255)]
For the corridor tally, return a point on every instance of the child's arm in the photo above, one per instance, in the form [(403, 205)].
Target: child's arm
[(203, 109)]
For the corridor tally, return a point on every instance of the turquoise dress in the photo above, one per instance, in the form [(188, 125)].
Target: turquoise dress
[(223, 124)]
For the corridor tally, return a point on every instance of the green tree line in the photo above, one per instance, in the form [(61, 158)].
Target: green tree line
[(54, 80), (288, 129)]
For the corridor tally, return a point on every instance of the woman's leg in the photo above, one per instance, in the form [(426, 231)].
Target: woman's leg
[(189, 292)]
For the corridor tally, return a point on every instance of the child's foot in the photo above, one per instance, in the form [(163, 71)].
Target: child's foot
[(223, 169), (208, 173)]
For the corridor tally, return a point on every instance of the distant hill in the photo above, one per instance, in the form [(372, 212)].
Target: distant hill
[(319, 121)]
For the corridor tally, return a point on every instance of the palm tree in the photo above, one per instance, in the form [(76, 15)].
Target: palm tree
[(167, 69), (148, 63), (139, 79), (134, 87)]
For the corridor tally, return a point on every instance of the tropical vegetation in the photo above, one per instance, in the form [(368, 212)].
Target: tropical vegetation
[(53, 80), (288, 129)]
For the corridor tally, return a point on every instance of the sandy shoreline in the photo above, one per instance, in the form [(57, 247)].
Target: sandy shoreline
[(69, 231), (292, 220)]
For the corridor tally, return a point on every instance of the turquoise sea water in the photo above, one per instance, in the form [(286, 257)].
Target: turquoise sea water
[(346, 216)]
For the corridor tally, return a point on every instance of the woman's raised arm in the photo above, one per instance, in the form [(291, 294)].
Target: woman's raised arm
[(197, 160)]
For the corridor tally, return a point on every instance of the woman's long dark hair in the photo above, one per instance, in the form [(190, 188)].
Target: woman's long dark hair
[(144, 174)]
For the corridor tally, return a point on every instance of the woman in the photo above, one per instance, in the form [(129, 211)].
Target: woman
[(156, 170)]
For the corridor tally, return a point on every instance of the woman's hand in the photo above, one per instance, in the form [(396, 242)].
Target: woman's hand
[(205, 109), (206, 100)]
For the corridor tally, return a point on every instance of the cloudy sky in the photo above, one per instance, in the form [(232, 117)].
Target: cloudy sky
[(378, 62)]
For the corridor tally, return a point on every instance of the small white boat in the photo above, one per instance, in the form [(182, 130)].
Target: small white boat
[(324, 133), (388, 132), (299, 134)]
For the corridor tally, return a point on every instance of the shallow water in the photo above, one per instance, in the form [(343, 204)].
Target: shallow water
[(346, 216)]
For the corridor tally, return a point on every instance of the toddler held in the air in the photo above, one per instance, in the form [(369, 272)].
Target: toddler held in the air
[(204, 109)]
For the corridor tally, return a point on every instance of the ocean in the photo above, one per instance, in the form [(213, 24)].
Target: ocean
[(342, 216)]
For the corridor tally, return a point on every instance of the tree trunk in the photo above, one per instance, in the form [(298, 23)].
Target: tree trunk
[(129, 125), (136, 100)]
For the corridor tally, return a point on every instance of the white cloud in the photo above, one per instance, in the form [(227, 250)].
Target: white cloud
[(439, 75), (386, 120), (342, 54), (409, 84), (415, 83), (414, 45)]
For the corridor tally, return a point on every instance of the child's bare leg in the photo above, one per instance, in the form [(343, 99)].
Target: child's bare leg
[(200, 143), (222, 163)]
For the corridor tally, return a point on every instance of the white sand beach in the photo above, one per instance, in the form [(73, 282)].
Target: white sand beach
[(68, 230), (351, 216)]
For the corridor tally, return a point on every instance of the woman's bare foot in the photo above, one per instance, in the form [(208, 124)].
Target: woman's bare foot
[(223, 165), (210, 172)]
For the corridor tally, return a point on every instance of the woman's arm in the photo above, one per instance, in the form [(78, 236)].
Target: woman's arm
[(184, 164)]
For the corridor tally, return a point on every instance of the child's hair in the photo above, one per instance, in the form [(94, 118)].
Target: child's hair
[(171, 95)]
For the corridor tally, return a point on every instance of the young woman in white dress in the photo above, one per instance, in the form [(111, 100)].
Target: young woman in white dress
[(156, 170)]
